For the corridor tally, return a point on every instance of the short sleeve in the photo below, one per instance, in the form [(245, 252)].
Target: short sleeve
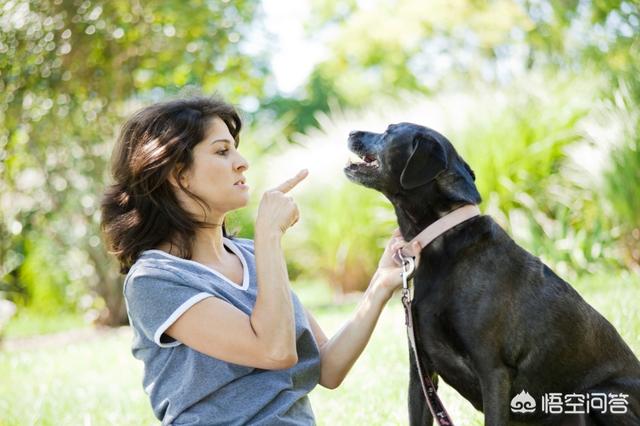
[(155, 299)]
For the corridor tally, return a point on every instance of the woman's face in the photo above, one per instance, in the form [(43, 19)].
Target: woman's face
[(216, 174)]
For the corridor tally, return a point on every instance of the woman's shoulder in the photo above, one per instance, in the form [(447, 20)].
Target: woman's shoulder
[(158, 265), (156, 271)]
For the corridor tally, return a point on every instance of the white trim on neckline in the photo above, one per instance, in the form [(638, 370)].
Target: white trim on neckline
[(227, 242)]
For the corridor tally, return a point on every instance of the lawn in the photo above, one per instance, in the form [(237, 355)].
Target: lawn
[(96, 381)]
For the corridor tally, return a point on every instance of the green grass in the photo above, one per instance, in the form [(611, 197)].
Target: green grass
[(28, 323), (98, 382)]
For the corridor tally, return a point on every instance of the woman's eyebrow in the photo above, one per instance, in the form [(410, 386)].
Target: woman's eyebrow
[(221, 140)]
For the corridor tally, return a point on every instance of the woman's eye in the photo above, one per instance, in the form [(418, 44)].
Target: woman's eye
[(223, 151)]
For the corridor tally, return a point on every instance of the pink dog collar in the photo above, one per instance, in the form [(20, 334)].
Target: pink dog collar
[(441, 226)]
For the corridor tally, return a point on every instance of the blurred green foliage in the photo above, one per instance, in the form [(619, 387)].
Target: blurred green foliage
[(343, 234), (622, 179), (520, 149), (387, 47), (70, 72)]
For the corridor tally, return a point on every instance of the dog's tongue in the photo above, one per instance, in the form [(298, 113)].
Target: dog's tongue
[(369, 158)]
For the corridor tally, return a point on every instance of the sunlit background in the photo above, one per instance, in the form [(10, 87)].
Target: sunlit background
[(540, 97)]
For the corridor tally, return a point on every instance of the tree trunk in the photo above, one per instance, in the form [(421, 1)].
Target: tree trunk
[(109, 287)]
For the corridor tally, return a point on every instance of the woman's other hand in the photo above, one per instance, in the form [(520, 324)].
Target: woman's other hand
[(388, 276), (277, 211)]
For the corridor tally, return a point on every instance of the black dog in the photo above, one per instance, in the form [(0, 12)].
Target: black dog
[(492, 319)]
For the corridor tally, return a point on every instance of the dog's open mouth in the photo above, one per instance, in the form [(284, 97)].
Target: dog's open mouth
[(364, 166), (365, 161)]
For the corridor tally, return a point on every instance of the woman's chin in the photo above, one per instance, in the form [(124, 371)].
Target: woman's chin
[(242, 202)]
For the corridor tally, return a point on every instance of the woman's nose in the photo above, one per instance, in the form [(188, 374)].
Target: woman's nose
[(241, 164)]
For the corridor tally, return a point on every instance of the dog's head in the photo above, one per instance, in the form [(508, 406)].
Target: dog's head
[(412, 160)]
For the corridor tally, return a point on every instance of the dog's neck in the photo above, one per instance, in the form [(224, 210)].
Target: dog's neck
[(413, 219)]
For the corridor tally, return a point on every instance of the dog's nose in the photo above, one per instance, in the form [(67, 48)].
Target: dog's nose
[(354, 134)]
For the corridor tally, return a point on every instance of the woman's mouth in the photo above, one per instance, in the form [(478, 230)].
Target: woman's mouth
[(241, 184)]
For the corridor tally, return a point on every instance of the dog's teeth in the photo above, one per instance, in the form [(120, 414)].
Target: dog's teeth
[(355, 159), (367, 161)]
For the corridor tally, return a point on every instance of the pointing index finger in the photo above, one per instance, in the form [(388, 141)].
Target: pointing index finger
[(289, 184)]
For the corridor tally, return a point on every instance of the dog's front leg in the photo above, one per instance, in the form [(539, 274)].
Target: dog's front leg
[(419, 413), (496, 385)]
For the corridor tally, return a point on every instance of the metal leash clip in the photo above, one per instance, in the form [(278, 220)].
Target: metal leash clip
[(408, 266), (408, 271)]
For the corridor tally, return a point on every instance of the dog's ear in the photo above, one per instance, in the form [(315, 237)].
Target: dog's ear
[(426, 162), (461, 187)]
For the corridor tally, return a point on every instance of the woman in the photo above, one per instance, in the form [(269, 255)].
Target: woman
[(223, 338)]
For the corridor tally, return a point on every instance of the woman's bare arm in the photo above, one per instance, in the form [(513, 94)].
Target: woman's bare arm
[(266, 339), (339, 353)]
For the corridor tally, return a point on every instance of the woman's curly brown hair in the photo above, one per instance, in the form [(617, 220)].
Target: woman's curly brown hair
[(140, 210)]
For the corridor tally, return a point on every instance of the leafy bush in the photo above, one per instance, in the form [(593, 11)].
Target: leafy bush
[(622, 179), (45, 283), (524, 150), (345, 229)]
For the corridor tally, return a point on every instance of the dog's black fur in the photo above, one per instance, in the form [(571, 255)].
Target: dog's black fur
[(492, 319)]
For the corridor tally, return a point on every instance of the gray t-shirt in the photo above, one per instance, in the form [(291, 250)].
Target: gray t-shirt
[(187, 387)]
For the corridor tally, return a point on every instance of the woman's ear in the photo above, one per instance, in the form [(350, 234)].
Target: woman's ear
[(178, 173)]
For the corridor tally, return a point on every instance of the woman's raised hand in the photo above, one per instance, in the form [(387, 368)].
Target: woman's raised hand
[(277, 211)]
